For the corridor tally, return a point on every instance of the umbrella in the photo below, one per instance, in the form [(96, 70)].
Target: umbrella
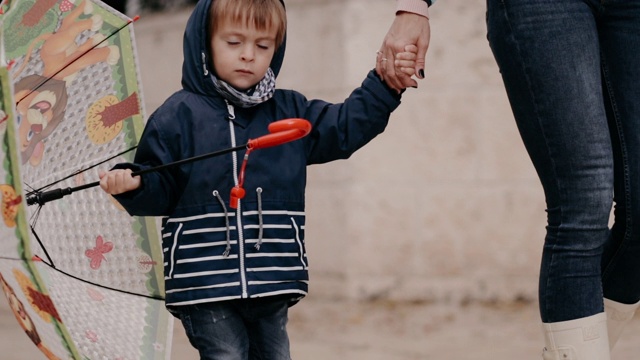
[(84, 279)]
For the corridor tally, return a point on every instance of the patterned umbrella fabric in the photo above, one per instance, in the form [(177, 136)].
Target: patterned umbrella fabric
[(83, 278)]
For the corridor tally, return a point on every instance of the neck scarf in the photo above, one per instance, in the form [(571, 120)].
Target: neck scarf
[(260, 93)]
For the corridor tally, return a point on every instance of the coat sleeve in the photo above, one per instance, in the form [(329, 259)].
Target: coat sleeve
[(159, 191), (338, 130), (420, 7)]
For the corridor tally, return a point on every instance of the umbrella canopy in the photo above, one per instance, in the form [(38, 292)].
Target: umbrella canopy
[(83, 277)]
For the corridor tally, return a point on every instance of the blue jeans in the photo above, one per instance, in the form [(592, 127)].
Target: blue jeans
[(571, 69), (247, 329)]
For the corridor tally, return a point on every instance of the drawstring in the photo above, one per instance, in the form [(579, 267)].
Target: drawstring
[(259, 243), (226, 219)]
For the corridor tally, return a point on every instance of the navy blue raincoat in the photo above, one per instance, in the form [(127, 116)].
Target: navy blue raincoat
[(213, 252)]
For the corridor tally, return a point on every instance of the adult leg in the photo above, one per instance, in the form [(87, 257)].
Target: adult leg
[(549, 56), (619, 29)]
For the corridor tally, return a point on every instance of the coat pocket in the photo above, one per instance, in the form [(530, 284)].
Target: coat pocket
[(300, 242), (170, 250)]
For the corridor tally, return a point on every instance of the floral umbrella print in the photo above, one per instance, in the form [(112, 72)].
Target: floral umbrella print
[(81, 272)]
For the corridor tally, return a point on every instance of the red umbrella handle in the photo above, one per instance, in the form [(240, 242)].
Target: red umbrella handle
[(281, 131)]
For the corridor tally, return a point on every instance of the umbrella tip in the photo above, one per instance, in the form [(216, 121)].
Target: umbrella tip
[(10, 64), (135, 18), (36, 258)]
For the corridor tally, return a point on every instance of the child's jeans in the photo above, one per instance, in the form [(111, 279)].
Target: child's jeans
[(247, 329)]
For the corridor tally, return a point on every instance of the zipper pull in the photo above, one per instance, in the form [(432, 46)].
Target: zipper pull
[(231, 110), (204, 64)]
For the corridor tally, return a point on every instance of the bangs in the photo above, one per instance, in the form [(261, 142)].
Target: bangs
[(263, 15)]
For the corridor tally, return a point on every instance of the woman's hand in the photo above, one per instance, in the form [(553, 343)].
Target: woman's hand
[(407, 29)]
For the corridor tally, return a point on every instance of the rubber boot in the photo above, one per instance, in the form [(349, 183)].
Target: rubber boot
[(579, 339), (618, 316)]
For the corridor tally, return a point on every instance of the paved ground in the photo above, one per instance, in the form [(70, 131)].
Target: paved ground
[(336, 330)]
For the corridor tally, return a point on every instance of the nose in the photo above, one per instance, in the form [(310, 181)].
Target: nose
[(248, 53)]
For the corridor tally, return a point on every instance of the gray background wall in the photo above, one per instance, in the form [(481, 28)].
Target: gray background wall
[(443, 206)]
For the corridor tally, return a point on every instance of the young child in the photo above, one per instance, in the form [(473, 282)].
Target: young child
[(231, 274)]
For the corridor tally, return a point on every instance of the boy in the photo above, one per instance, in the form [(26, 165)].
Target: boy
[(231, 274)]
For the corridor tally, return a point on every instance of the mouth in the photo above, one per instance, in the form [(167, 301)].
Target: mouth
[(245, 72)]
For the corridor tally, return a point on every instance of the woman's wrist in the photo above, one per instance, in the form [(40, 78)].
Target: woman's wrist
[(420, 7)]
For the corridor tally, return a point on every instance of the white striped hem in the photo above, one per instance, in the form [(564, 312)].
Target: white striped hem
[(204, 245), (237, 283), (280, 241), (207, 230), (267, 226), (274, 212), (201, 301), (206, 258), (203, 273), (280, 292), (276, 282), (276, 268), (198, 217), (261, 254)]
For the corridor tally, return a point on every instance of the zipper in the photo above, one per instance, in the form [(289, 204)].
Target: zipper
[(234, 155), (260, 222)]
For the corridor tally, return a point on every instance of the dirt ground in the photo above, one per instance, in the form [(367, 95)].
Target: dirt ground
[(321, 329)]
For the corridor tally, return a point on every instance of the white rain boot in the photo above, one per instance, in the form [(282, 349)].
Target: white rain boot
[(579, 339), (618, 316)]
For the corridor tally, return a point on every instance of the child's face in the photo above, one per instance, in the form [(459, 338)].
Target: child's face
[(242, 54)]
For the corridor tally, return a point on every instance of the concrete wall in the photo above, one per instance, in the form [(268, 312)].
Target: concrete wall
[(445, 205)]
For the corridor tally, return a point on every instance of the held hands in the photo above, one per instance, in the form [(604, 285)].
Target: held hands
[(407, 28), (404, 64), (406, 61), (118, 181)]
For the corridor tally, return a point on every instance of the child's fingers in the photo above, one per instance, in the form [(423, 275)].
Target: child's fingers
[(409, 56), (410, 71), (411, 48), (119, 181), (404, 63), (104, 182)]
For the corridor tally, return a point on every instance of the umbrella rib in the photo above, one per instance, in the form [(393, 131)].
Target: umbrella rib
[(46, 253), (153, 297)]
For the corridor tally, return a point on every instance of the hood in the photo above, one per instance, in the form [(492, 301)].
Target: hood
[(197, 65)]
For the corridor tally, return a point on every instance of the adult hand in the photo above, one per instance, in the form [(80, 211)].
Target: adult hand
[(407, 29)]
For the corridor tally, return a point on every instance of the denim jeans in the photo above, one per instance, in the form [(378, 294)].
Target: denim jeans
[(571, 69), (248, 329)]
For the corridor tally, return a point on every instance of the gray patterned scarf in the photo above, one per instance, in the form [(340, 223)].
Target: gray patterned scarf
[(260, 93)]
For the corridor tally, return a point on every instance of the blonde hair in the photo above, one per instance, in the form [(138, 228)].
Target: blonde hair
[(262, 14)]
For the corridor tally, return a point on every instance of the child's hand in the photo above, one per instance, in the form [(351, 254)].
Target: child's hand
[(118, 181), (406, 60)]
